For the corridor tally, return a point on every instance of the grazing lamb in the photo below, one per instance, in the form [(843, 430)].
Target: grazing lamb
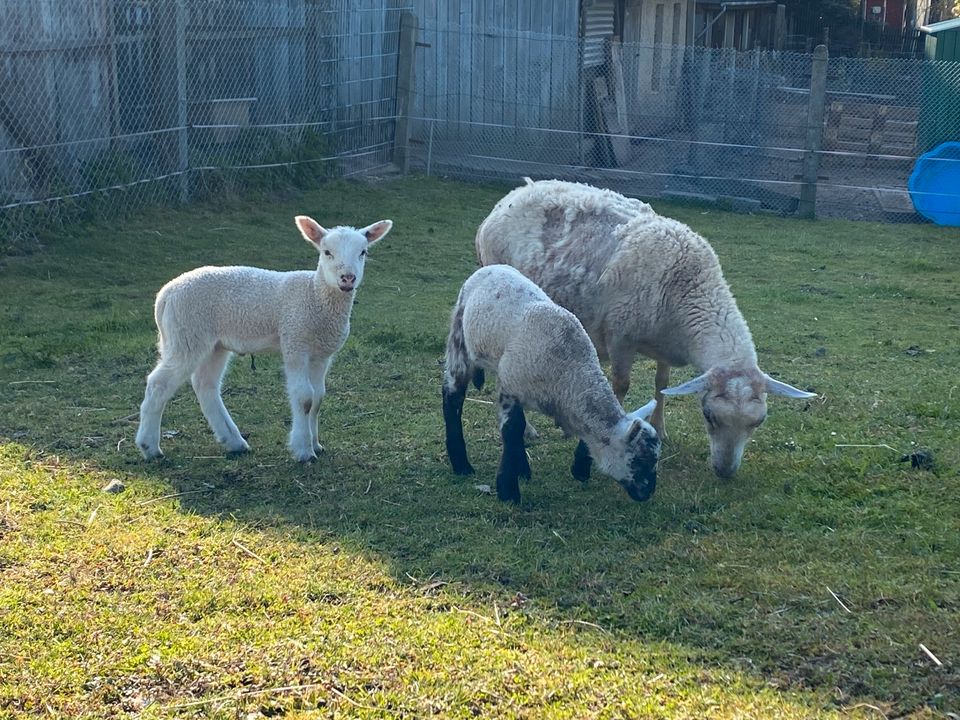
[(207, 314), (639, 283), (544, 361)]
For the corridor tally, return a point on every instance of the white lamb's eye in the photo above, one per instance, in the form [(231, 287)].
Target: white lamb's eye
[(328, 253)]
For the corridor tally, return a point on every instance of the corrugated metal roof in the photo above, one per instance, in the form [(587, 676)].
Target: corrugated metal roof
[(942, 25), (597, 27)]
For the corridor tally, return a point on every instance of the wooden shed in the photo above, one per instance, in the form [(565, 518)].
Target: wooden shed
[(942, 41), (940, 105)]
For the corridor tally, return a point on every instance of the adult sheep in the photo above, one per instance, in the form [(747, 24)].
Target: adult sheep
[(640, 283), (207, 314)]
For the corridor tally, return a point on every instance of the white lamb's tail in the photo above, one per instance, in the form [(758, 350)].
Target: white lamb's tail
[(158, 309)]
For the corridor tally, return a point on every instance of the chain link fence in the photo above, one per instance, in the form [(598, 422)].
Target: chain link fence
[(686, 123), (107, 105)]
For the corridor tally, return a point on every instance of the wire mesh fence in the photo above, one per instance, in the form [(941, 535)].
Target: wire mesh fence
[(106, 105), (688, 123), (109, 104)]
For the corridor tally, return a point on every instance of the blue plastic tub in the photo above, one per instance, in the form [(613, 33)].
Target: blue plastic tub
[(935, 184)]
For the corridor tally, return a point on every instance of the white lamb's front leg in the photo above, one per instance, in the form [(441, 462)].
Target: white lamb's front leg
[(300, 393), (319, 367)]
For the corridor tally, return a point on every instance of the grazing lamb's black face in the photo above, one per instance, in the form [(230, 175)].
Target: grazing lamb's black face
[(633, 458), (643, 453)]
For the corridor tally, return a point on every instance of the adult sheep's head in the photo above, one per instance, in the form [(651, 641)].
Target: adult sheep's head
[(632, 455), (343, 250), (734, 404)]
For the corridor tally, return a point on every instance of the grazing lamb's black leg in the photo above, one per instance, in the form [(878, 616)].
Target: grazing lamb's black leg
[(453, 420), (581, 462), (513, 461)]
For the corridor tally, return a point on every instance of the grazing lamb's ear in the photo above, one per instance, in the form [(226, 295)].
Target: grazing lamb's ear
[(375, 232), (645, 412), (310, 229), (698, 384), (775, 387)]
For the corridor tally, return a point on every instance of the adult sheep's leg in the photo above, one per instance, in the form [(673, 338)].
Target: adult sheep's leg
[(454, 392), (513, 461), (162, 384), (319, 367), (300, 394), (621, 362), (662, 380), (206, 380)]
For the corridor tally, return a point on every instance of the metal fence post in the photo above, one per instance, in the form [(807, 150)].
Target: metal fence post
[(406, 81), (811, 158)]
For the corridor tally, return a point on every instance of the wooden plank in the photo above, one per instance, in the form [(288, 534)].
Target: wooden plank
[(405, 89), (617, 125)]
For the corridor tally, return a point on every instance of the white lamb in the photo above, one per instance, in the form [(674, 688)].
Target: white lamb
[(639, 283), (544, 361), (207, 314)]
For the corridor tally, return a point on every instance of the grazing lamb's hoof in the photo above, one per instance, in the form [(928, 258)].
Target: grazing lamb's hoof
[(318, 449), (464, 468), (530, 433), (305, 458)]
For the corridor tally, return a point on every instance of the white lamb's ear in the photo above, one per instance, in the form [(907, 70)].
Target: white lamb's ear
[(698, 384), (311, 230), (377, 231), (775, 387), (645, 412)]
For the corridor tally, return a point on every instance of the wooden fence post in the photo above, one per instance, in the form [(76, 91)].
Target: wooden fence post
[(183, 149), (814, 140), (780, 28), (406, 82)]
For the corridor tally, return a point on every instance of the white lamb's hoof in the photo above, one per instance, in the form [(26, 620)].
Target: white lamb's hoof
[(318, 448), (530, 432), (150, 453), (304, 457), (237, 448)]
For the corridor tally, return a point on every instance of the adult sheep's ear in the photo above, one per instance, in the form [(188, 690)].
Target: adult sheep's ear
[(697, 385), (775, 387), (645, 412), (377, 231), (311, 230)]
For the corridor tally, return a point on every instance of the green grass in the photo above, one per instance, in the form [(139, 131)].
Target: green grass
[(374, 583)]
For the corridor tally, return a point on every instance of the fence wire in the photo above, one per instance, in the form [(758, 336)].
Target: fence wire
[(686, 123), (107, 105), (110, 104)]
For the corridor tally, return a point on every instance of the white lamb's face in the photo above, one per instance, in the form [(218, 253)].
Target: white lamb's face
[(343, 250)]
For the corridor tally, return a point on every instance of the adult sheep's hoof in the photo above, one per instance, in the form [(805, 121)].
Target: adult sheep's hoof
[(318, 449)]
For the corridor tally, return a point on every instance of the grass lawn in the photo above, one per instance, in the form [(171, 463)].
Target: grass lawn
[(375, 583)]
